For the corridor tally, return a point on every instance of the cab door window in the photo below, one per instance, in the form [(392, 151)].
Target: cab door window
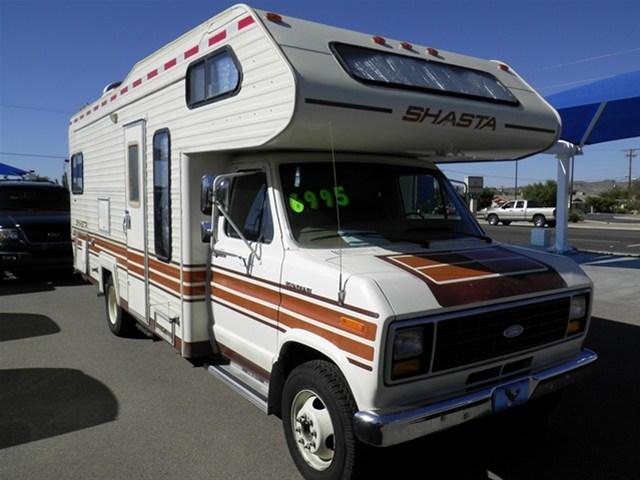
[(249, 209)]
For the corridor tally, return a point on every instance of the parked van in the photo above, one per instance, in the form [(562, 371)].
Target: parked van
[(265, 189)]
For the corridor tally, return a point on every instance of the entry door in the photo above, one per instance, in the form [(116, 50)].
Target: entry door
[(246, 292), (134, 217)]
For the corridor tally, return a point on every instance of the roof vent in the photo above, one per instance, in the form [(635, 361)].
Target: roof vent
[(110, 87)]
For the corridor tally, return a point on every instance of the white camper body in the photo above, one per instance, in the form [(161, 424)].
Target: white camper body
[(249, 92)]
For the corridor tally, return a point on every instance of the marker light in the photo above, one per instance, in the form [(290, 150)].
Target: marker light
[(433, 51), (274, 17), (379, 40), (504, 67), (406, 46)]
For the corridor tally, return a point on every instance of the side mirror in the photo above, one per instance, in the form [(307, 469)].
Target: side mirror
[(221, 190), (206, 194)]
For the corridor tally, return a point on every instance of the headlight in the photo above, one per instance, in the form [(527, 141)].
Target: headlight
[(578, 314), (411, 352), (578, 307), (8, 234)]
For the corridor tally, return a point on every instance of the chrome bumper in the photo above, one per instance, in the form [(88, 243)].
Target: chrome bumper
[(389, 427)]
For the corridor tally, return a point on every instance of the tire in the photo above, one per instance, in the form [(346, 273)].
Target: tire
[(493, 219), (506, 222), (539, 221), (120, 322), (317, 416)]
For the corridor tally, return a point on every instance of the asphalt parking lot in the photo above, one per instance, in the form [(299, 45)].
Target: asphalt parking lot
[(79, 403)]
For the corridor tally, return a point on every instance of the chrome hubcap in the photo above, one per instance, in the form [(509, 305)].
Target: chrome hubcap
[(313, 429)]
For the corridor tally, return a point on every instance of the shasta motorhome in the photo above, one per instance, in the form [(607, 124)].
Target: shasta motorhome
[(264, 190)]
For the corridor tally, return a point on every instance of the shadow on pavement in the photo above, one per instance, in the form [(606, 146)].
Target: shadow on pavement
[(37, 403), (592, 435), (14, 326), (15, 286)]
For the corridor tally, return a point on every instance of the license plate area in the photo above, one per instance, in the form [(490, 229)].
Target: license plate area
[(510, 395)]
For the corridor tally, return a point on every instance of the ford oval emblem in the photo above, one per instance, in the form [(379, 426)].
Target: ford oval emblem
[(513, 331)]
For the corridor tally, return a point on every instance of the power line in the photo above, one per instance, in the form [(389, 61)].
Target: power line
[(16, 154), (590, 59)]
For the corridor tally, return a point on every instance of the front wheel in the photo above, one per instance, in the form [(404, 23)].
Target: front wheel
[(493, 219), (317, 414)]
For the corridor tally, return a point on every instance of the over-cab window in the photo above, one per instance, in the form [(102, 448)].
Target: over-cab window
[(133, 169), (212, 78), (77, 174), (402, 71), (162, 194), (249, 208)]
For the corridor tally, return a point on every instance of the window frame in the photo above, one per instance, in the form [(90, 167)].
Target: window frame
[(227, 228), (203, 60), (133, 203), (417, 88), (157, 238), (72, 176)]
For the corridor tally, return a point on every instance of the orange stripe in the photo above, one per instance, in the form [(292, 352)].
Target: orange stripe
[(319, 313), (343, 343)]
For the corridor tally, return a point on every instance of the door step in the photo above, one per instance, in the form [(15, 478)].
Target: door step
[(251, 388)]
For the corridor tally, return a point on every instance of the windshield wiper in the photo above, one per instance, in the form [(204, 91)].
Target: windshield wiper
[(345, 233)]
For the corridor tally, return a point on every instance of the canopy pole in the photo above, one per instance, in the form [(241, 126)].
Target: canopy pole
[(562, 216)]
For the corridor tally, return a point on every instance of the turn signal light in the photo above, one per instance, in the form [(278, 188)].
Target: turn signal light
[(351, 324)]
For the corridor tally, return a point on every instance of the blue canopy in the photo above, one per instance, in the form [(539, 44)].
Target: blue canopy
[(9, 170), (601, 111)]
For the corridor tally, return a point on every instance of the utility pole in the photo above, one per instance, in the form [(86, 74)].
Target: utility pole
[(630, 153)]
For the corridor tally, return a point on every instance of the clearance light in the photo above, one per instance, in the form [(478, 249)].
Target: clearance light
[(351, 324), (274, 17), (406, 46), (504, 67), (433, 51), (379, 40)]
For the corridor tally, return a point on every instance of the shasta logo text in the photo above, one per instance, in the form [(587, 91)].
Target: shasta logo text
[(450, 118)]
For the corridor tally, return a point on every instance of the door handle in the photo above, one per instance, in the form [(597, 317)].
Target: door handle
[(126, 221)]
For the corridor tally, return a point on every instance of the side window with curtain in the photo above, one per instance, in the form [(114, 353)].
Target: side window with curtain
[(212, 78), (249, 209), (77, 174), (162, 194)]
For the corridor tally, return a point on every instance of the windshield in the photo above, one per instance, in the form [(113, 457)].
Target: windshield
[(25, 198), (378, 204)]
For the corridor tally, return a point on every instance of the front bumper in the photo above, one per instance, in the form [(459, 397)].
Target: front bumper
[(389, 427)]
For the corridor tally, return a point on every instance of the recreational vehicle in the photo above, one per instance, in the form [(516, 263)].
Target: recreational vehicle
[(263, 191)]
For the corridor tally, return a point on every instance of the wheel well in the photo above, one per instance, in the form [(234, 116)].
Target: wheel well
[(106, 275), (292, 355)]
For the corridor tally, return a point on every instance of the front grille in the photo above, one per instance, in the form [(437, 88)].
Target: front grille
[(46, 233), (475, 338)]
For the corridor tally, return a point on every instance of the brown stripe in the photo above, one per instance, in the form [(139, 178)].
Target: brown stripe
[(245, 362), (310, 295), (254, 307), (484, 289), (247, 288), (259, 320), (344, 343), (316, 312), (358, 364)]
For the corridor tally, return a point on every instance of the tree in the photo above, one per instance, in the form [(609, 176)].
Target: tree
[(486, 197), (545, 193)]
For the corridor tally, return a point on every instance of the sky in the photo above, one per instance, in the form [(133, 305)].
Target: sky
[(57, 55)]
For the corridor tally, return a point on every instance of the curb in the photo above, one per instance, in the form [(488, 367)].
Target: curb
[(581, 225)]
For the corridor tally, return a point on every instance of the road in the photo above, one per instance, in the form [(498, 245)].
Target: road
[(601, 240), (77, 403)]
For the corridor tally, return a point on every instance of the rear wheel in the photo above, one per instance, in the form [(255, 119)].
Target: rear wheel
[(539, 221), (493, 219), (317, 413), (120, 322)]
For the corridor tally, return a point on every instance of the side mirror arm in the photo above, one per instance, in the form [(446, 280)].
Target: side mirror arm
[(219, 209)]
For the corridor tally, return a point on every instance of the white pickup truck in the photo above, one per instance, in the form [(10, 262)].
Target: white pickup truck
[(522, 210)]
